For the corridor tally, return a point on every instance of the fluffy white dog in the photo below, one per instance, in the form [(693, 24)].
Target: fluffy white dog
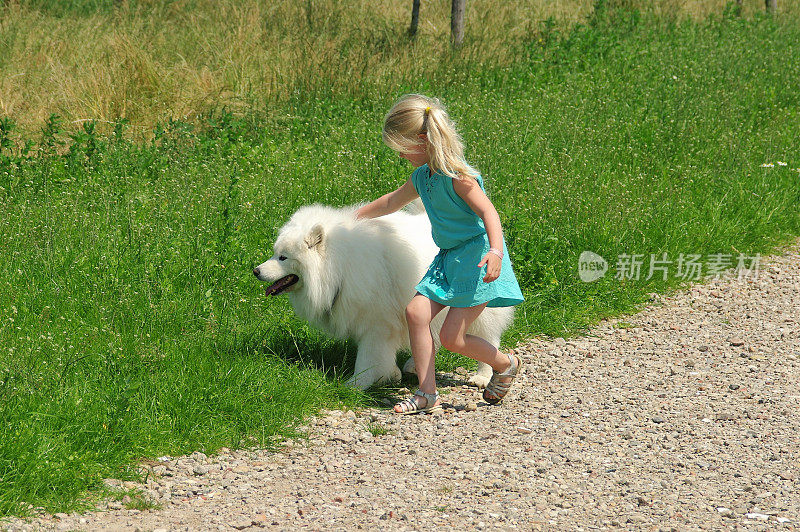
[(353, 279)]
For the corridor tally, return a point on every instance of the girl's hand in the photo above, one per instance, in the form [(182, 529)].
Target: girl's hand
[(493, 263)]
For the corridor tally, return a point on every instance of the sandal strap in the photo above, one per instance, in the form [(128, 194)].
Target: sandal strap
[(498, 388), (512, 369), (408, 404), (431, 397), (411, 404)]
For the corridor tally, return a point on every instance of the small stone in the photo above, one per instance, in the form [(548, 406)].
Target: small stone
[(733, 386), (241, 524), (200, 470), (471, 407), (757, 516), (725, 512), (736, 341), (342, 437), (524, 430), (658, 419), (703, 348)]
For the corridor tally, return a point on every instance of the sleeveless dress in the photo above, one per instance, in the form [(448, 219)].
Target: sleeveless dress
[(453, 278)]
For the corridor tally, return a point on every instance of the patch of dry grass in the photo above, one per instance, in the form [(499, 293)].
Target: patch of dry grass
[(154, 59)]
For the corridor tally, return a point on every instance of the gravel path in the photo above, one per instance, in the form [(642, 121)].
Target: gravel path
[(682, 417)]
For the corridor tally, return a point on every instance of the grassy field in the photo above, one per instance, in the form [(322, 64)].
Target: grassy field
[(130, 323), (151, 60)]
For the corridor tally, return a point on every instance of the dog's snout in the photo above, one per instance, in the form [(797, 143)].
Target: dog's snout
[(256, 272)]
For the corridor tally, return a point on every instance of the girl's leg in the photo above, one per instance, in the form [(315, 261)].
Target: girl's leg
[(419, 314), (455, 338)]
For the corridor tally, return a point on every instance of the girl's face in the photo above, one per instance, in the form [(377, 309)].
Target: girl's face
[(419, 155)]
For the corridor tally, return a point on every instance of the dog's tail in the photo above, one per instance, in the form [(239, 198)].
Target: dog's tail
[(415, 207)]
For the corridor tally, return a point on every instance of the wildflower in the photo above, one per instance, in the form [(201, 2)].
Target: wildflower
[(767, 165), (781, 163)]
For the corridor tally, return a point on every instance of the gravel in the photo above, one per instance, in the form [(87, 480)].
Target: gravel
[(686, 418)]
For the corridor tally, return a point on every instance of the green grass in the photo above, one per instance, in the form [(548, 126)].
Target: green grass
[(131, 325)]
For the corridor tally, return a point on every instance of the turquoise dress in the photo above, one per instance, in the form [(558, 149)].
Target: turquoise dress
[(453, 278)]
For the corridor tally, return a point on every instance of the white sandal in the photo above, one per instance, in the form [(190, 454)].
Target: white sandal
[(498, 388), (411, 406)]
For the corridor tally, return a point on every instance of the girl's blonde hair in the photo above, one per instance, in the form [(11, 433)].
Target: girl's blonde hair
[(414, 114)]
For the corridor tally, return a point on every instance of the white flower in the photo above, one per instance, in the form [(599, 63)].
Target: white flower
[(781, 163), (767, 165)]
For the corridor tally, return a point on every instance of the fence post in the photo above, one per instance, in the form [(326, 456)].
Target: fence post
[(414, 18), (457, 21), (771, 5)]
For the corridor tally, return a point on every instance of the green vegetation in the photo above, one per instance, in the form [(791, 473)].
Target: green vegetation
[(131, 325), (152, 60)]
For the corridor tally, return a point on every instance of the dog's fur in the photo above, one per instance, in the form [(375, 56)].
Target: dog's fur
[(355, 278)]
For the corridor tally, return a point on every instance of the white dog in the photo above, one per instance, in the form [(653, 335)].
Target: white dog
[(353, 279)]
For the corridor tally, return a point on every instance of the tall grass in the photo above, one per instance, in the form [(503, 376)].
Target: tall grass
[(130, 323), (151, 60)]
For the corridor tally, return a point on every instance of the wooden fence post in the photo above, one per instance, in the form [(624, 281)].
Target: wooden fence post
[(414, 18), (457, 21), (771, 5)]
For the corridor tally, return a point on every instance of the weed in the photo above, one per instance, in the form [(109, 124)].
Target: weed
[(376, 429)]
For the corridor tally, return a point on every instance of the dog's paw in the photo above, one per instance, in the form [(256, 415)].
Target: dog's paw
[(397, 375), (479, 380), (358, 382), (368, 378), (409, 366)]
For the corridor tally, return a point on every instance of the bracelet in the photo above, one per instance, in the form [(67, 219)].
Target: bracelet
[(498, 252)]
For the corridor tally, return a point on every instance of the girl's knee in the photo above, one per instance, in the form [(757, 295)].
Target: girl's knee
[(416, 315), (451, 339)]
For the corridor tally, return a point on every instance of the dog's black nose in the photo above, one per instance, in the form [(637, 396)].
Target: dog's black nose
[(256, 272)]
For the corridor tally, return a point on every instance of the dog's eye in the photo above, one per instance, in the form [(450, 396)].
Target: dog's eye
[(281, 258)]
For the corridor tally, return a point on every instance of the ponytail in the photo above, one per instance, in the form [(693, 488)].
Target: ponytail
[(414, 114)]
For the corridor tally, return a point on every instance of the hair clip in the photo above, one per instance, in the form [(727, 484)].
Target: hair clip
[(427, 111)]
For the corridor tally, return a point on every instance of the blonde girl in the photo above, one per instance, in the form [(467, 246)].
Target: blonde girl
[(472, 269)]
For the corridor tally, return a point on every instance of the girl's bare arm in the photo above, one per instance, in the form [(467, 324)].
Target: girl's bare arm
[(389, 203)]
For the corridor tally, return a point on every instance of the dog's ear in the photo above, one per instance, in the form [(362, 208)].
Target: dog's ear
[(314, 239)]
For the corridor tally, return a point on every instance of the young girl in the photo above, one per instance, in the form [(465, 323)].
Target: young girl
[(466, 227)]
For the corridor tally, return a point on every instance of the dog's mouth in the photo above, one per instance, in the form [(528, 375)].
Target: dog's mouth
[(281, 284)]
